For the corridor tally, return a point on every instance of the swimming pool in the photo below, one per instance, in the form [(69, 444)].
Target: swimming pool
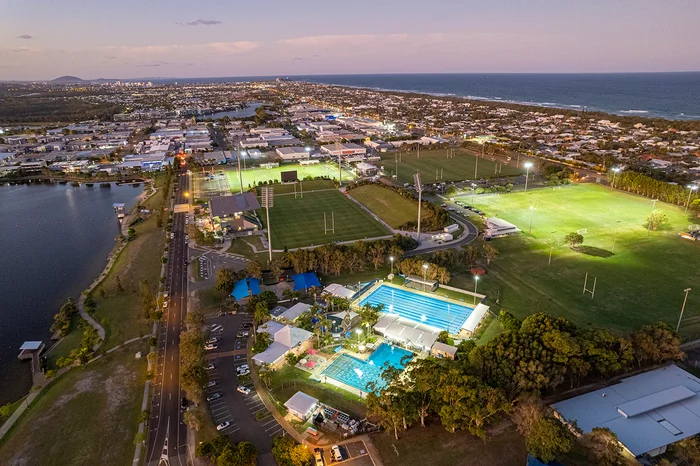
[(417, 307), (358, 373)]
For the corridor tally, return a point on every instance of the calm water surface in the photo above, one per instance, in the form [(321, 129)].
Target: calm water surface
[(55, 241)]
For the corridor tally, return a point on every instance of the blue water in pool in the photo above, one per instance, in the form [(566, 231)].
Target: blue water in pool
[(419, 308), (358, 373)]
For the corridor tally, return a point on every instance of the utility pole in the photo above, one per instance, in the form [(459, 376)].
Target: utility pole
[(419, 189), (682, 309), (240, 175), (268, 195)]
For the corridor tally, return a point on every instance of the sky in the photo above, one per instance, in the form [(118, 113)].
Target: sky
[(44, 39)]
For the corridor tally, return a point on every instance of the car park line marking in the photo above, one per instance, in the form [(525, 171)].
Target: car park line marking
[(273, 427), (268, 422), (257, 411)]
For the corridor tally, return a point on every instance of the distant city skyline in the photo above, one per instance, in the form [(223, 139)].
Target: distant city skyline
[(41, 40)]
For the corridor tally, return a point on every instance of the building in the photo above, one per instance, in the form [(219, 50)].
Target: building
[(648, 412), (443, 350), (301, 405), (286, 339), (343, 149), (366, 169), (293, 313), (292, 153), (235, 213), (496, 227), (216, 157)]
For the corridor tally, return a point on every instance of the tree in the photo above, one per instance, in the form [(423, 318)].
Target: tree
[(656, 220), (548, 439), (604, 446), (528, 411), (387, 409), (269, 298), (265, 374), (120, 288), (260, 315), (288, 452), (131, 233), (253, 269), (444, 337), (193, 419), (490, 253), (687, 451), (508, 321), (421, 378), (225, 280), (370, 314), (262, 341), (655, 344), (573, 239)]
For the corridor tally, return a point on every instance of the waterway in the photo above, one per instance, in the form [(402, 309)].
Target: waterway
[(248, 111), (55, 240)]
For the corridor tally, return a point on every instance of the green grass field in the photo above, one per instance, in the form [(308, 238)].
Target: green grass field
[(386, 204), (457, 168), (252, 176), (299, 222), (641, 282), (88, 416)]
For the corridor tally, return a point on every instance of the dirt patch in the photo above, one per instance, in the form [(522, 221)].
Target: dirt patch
[(86, 384), (117, 387)]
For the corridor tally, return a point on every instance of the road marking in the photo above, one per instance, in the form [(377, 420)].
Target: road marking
[(269, 422), (257, 411)]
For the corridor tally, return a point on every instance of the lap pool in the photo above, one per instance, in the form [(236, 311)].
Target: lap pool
[(428, 310), (358, 373)]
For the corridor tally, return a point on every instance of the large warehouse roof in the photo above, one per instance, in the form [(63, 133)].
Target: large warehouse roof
[(647, 412)]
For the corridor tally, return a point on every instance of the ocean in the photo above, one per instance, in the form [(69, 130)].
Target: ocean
[(55, 241), (673, 96)]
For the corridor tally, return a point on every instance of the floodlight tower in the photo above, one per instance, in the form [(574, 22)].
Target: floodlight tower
[(419, 189), (340, 165), (692, 188), (240, 174), (268, 196), (528, 165), (615, 170)]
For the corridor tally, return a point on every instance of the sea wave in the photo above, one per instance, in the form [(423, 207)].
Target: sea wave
[(634, 111)]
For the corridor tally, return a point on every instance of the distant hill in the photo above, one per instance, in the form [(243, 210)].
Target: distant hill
[(67, 80)]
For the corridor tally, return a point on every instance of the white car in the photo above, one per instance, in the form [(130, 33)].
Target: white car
[(223, 425), (335, 453), (209, 367), (213, 346), (165, 304), (211, 383), (244, 390)]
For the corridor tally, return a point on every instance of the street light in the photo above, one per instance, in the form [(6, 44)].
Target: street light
[(425, 275), (682, 309), (615, 170), (476, 283), (419, 188), (473, 192), (359, 332), (391, 258), (241, 153), (692, 188), (532, 213), (527, 165), (653, 208)]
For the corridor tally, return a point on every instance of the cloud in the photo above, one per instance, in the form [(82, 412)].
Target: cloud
[(25, 36), (201, 22), (154, 64)]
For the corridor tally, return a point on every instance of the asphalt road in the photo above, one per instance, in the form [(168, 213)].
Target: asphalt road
[(167, 432)]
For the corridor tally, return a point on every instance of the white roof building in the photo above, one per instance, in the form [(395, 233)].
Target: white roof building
[(295, 311), (339, 290), (301, 404), (647, 412)]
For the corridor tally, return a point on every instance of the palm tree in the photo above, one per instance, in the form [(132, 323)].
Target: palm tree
[(261, 315)]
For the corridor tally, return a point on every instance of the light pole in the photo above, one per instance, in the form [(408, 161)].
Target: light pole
[(692, 188), (359, 332), (425, 275), (419, 189), (682, 309), (476, 283), (532, 214), (268, 196), (528, 165), (615, 170), (473, 192), (240, 175), (391, 258)]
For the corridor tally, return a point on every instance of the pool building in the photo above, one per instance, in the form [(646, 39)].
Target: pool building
[(415, 318)]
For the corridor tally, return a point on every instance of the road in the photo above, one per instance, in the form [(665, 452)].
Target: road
[(167, 440)]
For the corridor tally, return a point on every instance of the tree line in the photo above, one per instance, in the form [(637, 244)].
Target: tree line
[(646, 186), (530, 358)]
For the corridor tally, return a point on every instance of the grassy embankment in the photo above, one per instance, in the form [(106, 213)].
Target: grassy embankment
[(87, 416), (640, 282)]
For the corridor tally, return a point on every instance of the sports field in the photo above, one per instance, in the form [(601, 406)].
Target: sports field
[(641, 282), (386, 204), (457, 168), (252, 176), (299, 222)]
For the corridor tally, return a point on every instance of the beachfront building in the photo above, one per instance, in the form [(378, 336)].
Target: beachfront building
[(648, 412)]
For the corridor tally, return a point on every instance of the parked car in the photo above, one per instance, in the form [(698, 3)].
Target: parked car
[(318, 457), (336, 455), (244, 390), (184, 403), (223, 425), (210, 347), (213, 340), (165, 304), (214, 396), (209, 367), (211, 383)]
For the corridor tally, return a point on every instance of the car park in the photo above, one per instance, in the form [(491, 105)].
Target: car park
[(244, 390), (336, 455), (214, 396), (223, 425)]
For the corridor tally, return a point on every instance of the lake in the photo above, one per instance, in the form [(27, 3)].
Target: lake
[(55, 241)]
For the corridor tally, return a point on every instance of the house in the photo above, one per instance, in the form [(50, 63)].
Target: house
[(301, 405), (648, 412), (235, 213), (286, 339), (442, 350)]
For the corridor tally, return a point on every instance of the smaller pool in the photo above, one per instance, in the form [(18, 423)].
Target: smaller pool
[(358, 373)]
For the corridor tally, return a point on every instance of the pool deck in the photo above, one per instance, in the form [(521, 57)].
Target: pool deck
[(370, 290)]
